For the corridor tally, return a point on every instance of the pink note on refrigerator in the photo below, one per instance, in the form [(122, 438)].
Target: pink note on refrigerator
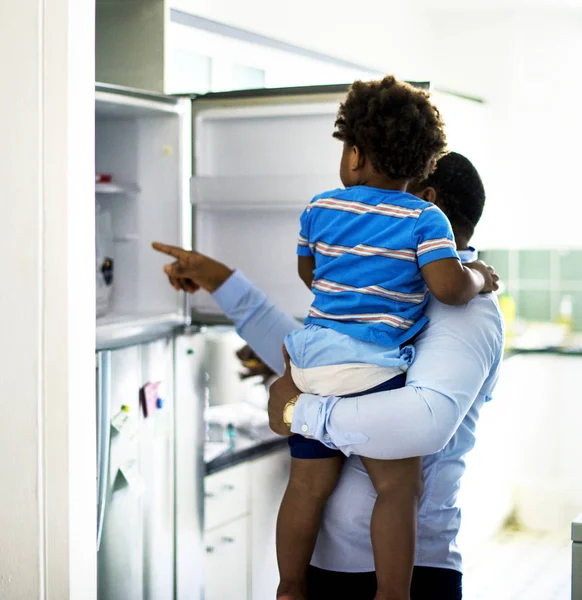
[(149, 398)]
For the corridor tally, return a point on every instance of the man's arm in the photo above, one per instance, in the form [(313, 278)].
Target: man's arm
[(455, 356), (257, 321)]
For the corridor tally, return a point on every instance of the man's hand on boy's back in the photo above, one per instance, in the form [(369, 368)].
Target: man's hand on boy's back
[(489, 275)]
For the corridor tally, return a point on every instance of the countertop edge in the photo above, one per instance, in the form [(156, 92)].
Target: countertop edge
[(228, 460)]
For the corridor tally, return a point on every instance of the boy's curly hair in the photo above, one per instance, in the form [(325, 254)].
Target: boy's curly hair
[(395, 125)]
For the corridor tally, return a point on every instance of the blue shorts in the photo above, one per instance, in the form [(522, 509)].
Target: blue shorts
[(302, 447)]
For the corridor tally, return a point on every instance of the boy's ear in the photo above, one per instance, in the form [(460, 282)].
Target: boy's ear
[(357, 159), (428, 195)]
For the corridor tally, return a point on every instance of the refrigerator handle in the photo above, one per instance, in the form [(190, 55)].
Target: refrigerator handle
[(103, 437)]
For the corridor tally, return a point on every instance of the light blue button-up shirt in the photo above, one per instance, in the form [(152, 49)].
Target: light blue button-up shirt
[(457, 363)]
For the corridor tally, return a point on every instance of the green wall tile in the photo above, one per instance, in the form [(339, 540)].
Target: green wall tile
[(499, 260), (571, 266), (535, 265), (534, 305)]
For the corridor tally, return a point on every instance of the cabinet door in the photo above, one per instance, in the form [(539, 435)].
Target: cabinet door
[(227, 561), (269, 476)]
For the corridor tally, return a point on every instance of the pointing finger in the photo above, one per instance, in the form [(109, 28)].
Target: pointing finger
[(174, 251)]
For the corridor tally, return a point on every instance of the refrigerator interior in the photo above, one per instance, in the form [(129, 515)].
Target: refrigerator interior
[(257, 163), (142, 145)]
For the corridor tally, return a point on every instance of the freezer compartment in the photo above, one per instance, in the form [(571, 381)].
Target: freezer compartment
[(142, 145), (257, 164)]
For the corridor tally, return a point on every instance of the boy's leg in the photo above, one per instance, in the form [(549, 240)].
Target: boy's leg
[(310, 484), (399, 487)]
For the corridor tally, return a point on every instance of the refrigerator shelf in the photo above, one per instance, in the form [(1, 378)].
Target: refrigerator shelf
[(126, 189), (116, 330)]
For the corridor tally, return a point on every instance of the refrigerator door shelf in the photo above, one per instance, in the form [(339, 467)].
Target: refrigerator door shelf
[(117, 331)]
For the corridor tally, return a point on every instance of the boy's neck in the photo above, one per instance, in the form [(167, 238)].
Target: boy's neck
[(383, 182)]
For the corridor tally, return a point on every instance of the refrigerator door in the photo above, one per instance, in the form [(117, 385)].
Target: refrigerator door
[(119, 560), (259, 158), (157, 469), (190, 389)]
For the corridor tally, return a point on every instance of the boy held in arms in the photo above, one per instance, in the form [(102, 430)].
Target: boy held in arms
[(370, 253)]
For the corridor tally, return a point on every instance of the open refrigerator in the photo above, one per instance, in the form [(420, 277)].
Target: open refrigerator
[(229, 175)]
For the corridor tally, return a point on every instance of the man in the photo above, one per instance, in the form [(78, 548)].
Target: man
[(456, 367)]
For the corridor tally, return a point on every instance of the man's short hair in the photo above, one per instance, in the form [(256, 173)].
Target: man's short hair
[(460, 191)]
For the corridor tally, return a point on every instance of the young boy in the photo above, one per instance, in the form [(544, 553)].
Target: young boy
[(370, 253)]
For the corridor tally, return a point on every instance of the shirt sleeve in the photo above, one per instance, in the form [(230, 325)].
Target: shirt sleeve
[(303, 247), (257, 320), (421, 417), (433, 237)]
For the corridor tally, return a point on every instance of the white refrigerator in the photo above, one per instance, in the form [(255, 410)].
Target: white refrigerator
[(228, 174)]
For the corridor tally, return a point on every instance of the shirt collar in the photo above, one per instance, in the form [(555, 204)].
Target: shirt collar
[(468, 255)]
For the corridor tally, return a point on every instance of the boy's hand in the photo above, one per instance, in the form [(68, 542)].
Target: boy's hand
[(489, 275), (193, 270), (283, 390)]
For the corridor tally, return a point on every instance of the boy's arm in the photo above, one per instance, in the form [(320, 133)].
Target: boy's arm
[(446, 278), (452, 283), (305, 257), (305, 267)]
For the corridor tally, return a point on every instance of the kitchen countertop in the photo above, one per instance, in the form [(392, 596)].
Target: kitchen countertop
[(246, 447), (564, 351), (243, 448)]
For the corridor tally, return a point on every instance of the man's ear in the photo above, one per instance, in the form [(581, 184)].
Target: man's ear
[(428, 195)]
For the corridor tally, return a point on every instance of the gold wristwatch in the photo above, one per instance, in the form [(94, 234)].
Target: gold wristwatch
[(289, 410)]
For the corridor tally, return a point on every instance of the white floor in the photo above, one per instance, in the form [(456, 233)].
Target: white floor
[(519, 566)]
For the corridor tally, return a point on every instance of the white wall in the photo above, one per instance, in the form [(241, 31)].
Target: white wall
[(382, 34), (526, 66), (47, 432)]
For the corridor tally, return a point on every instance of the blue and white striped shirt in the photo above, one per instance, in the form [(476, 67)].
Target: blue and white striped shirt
[(369, 246)]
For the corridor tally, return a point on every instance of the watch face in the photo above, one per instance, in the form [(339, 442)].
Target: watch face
[(288, 414)]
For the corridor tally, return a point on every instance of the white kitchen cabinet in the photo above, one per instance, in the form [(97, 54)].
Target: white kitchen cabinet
[(241, 510), (269, 476), (227, 576), (226, 496), (543, 446)]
